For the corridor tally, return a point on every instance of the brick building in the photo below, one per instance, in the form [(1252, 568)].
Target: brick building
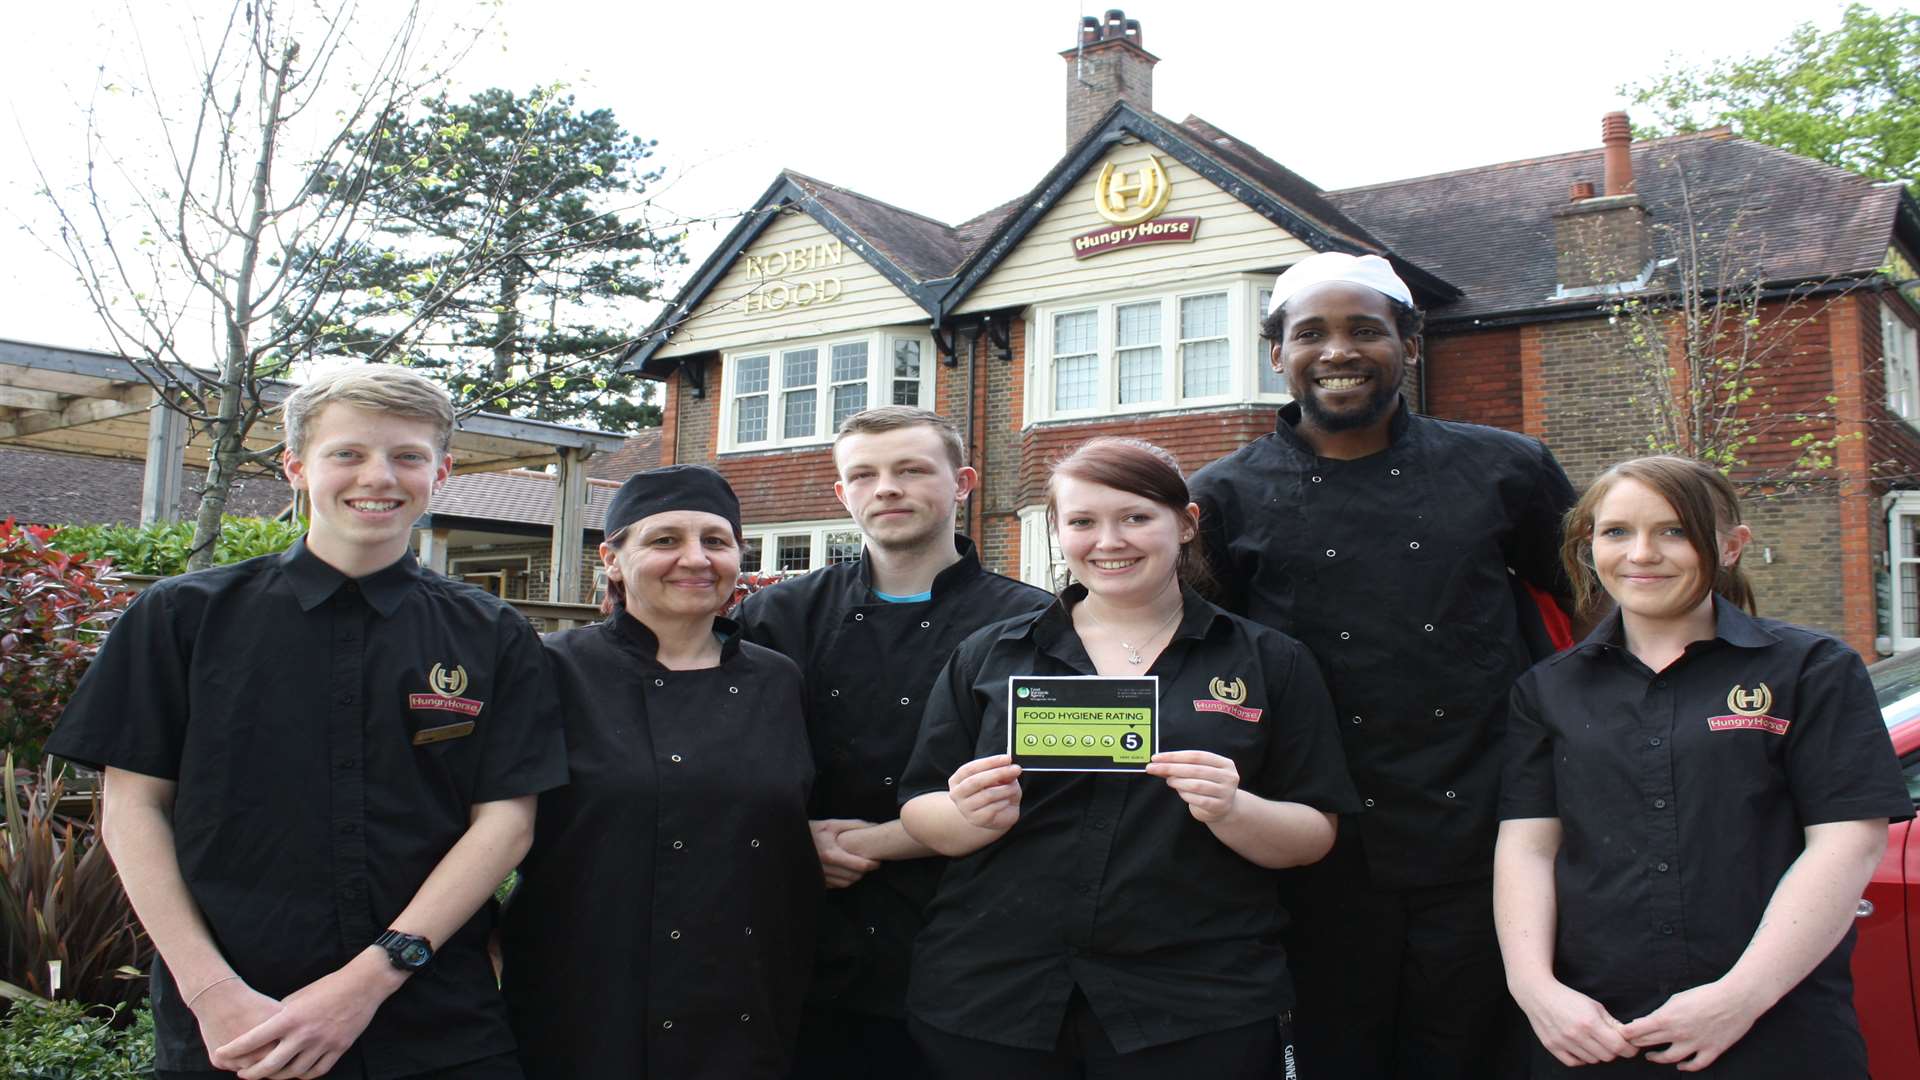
[(1123, 294)]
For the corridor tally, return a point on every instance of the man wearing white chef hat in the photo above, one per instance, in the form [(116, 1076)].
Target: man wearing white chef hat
[(1391, 543)]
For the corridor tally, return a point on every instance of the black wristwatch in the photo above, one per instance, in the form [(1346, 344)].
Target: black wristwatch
[(407, 952)]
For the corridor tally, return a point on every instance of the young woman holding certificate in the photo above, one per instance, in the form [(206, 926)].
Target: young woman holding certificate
[(1120, 923)]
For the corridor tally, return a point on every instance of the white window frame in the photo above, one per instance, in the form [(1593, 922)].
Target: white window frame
[(1246, 353), (880, 385), (816, 532), (1900, 351), (1902, 505), (1041, 564)]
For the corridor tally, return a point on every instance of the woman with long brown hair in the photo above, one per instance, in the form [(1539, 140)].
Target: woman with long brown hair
[(1695, 798)]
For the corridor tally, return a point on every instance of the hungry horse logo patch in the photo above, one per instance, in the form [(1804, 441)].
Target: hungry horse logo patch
[(1227, 697), (1749, 709), (445, 689)]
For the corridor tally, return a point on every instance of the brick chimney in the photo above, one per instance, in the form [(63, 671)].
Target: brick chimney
[(1108, 65), (1604, 240)]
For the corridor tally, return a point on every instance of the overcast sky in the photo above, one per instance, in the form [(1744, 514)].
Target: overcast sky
[(946, 109)]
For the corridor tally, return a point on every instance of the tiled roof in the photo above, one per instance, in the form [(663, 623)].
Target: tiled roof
[(43, 488), (642, 451), (1281, 182), (517, 495), (921, 246), (1489, 230)]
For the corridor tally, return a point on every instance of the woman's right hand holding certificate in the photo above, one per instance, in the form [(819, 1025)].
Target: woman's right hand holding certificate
[(986, 791)]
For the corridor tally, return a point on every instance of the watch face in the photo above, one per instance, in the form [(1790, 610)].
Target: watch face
[(415, 954)]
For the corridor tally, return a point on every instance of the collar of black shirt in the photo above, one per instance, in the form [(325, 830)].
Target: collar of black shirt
[(633, 635), (967, 567), (314, 582), (1289, 419), (1053, 631), (1730, 624)]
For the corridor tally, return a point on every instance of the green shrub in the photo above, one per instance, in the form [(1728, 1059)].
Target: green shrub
[(64, 1040), (162, 548), (55, 608)]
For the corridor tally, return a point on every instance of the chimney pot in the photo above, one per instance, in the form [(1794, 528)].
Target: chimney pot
[(1582, 189), (1616, 140), (1131, 28), (1089, 30)]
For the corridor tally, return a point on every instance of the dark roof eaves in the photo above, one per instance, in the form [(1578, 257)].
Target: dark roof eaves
[(788, 189), (752, 224)]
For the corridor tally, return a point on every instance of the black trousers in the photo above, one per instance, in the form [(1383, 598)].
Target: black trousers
[(503, 1067), (836, 1044), (1259, 1051), (1398, 984)]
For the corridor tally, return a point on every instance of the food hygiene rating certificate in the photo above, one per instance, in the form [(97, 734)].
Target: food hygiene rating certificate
[(1083, 723)]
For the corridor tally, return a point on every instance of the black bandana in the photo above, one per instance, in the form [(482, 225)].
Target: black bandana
[(672, 487)]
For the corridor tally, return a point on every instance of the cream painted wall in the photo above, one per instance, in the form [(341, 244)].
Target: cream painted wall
[(726, 319), (1042, 268)]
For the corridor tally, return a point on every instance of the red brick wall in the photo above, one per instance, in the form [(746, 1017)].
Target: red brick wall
[(670, 420), (1194, 439), (1475, 376), (786, 485)]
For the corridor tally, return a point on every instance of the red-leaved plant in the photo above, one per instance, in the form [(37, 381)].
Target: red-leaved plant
[(55, 609)]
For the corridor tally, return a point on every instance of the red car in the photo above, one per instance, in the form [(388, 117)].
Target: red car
[(1886, 958)]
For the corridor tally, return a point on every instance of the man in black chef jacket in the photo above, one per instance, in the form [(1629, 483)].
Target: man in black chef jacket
[(871, 637), (319, 765), (1387, 542)]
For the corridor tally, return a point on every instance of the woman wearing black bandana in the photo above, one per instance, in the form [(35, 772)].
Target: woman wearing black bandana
[(664, 919)]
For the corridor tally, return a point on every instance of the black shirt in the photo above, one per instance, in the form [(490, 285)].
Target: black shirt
[(1393, 569), (664, 921), (285, 700), (1107, 882), (1682, 798), (869, 665)]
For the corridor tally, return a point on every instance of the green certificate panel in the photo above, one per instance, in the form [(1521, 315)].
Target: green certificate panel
[(1083, 723)]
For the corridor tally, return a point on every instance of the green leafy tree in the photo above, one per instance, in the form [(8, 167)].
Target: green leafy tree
[(559, 188), (1849, 97)]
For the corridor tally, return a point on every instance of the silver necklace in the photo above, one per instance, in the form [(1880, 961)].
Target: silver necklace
[(1133, 654)]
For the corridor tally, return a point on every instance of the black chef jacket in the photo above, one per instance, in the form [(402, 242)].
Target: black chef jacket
[(285, 699), (1682, 798), (869, 666), (664, 919), (1107, 882), (1392, 568)]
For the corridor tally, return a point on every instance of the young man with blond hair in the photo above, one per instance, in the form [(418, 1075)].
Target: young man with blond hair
[(319, 765), (871, 637)]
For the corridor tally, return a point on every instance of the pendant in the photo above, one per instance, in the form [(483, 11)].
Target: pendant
[(1133, 654)]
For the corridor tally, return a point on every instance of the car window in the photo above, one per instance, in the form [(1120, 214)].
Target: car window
[(1911, 767)]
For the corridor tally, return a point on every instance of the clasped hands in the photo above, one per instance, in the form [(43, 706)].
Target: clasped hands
[(1694, 1026), (302, 1035)]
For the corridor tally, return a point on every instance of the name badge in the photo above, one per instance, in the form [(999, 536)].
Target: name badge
[(442, 733)]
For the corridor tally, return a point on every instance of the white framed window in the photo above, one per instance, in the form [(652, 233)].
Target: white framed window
[(1903, 553), (907, 371), (1147, 351), (1272, 383), (798, 547), (797, 393), (1902, 352), (1041, 564)]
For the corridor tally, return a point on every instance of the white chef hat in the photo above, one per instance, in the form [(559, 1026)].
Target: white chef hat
[(1370, 270)]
